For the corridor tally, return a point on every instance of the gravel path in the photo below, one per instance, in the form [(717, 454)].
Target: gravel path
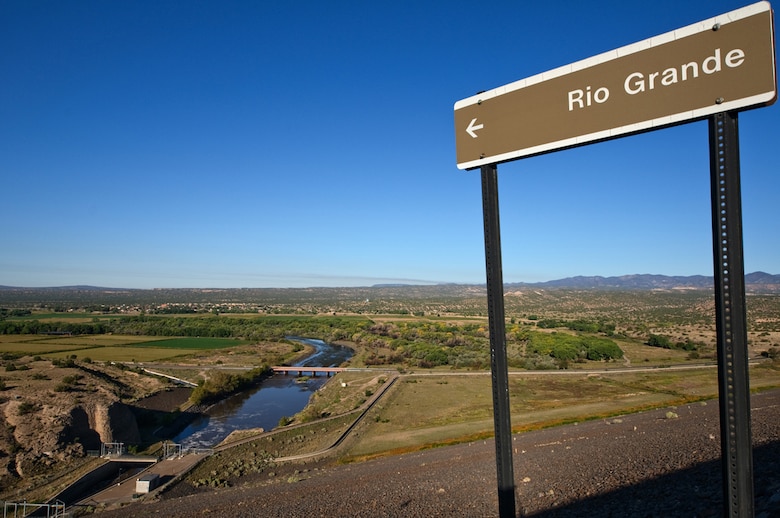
[(650, 464)]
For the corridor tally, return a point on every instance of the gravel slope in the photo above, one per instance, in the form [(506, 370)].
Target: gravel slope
[(650, 464)]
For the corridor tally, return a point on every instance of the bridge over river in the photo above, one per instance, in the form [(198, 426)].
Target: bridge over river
[(281, 369), (301, 370)]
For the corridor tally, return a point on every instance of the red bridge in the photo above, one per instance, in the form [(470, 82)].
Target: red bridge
[(314, 370)]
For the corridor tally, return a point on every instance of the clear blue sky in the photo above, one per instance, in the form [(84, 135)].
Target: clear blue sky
[(288, 144)]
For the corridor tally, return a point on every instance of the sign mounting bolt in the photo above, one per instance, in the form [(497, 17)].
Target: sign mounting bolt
[(719, 100), (716, 27)]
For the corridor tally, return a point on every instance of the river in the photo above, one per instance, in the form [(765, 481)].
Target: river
[(262, 407)]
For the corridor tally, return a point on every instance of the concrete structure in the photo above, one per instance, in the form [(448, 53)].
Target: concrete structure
[(147, 483)]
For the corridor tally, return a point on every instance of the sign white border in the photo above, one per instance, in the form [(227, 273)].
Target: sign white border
[(690, 30)]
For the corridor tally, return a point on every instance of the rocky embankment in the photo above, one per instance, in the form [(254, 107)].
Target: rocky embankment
[(51, 415)]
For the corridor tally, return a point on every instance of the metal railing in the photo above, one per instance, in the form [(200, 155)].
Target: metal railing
[(21, 509)]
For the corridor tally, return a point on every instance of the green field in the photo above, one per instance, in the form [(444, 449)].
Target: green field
[(118, 348)]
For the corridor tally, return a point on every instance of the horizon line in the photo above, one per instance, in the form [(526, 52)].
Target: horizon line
[(375, 285)]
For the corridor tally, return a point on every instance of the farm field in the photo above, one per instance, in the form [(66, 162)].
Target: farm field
[(193, 343), (37, 348), (111, 347), (124, 354)]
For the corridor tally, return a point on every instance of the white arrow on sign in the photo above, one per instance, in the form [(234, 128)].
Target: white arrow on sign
[(474, 127)]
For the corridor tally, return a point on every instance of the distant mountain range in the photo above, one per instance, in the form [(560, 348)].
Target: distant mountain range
[(757, 281), (754, 282)]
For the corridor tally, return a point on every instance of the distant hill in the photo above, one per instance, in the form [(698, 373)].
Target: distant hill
[(762, 278), (759, 281), (64, 288), (754, 282)]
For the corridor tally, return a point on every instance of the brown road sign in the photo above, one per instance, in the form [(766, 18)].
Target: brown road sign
[(722, 64)]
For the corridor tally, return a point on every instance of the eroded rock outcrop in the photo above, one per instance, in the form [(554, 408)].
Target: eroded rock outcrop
[(96, 423), (42, 435)]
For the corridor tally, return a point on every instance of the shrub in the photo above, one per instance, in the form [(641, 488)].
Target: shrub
[(659, 341), (772, 353), (63, 387), (26, 408)]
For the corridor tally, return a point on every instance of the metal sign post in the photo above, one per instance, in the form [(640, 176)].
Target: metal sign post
[(710, 70), (730, 317), (498, 363)]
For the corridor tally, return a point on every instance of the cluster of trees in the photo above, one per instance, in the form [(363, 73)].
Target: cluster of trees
[(565, 347), (666, 343), (221, 384), (36, 327), (431, 344), (5, 312), (259, 328), (425, 344)]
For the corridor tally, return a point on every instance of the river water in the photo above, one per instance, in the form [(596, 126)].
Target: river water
[(262, 407)]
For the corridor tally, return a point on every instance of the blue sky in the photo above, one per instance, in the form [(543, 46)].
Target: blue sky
[(242, 143)]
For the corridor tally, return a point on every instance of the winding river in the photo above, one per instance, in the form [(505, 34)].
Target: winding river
[(262, 407)]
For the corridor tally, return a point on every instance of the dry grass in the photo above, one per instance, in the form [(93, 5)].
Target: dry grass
[(35, 348), (424, 411), (639, 354), (99, 340), (125, 354), (433, 408), (123, 348), (101, 347), (347, 391)]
